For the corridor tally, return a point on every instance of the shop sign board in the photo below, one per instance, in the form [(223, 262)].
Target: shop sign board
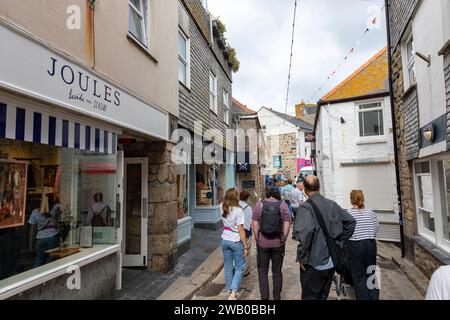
[(29, 67)]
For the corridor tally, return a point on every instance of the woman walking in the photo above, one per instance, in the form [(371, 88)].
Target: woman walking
[(363, 248), (248, 214), (234, 243)]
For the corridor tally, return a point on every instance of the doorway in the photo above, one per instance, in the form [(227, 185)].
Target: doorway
[(136, 212)]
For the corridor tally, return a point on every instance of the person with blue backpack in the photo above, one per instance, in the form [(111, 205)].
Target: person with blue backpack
[(271, 224)]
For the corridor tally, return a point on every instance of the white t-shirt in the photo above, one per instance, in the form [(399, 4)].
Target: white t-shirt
[(248, 213), (439, 287), (231, 224)]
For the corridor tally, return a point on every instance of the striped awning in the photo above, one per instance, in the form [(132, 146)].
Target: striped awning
[(24, 124)]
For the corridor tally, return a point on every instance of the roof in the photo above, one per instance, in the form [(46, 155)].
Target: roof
[(245, 110), (370, 79), (293, 120)]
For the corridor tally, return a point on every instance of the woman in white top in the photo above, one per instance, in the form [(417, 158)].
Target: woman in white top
[(363, 249), (234, 244)]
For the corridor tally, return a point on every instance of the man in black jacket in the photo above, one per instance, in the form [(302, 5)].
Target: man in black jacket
[(316, 265)]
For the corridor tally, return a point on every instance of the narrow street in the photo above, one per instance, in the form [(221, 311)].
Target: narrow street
[(394, 283)]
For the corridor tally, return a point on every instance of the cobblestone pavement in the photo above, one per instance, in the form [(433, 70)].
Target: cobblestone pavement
[(394, 284), (142, 284)]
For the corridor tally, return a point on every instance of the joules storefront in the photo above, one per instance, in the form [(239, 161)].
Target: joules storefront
[(62, 234)]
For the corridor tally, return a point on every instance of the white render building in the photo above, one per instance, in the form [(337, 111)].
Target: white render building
[(354, 143)]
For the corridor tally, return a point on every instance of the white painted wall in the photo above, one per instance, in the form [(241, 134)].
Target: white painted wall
[(337, 142), (446, 18), (427, 28)]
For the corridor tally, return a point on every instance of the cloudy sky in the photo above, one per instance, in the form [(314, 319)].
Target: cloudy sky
[(326, 30)]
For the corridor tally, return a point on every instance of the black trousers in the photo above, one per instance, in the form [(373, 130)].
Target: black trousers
[(265, 255), (363, 259), (316, 284)]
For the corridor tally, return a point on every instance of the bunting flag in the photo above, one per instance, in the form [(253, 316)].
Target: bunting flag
[(351, 52)]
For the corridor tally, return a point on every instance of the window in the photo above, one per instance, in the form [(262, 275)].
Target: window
[(425, 196), (183, 59), (410, 78), (444, 175), (226, 108), (371, 120), (137, 20), (213, 92)]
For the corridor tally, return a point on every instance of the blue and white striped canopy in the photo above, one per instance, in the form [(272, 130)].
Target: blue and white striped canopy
[(24, 124)]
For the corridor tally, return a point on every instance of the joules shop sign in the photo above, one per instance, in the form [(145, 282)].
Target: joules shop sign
[(83, 87), (31, 68)]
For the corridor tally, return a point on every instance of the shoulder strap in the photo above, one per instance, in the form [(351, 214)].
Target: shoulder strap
[(320, 219)]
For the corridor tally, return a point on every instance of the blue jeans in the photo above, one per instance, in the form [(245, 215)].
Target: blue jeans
[(233, 254), (43, 245)]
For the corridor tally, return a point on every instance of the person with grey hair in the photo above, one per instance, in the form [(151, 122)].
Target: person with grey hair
[(316, 263)]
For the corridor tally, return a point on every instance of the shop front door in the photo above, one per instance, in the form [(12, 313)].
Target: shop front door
[(136, 212)]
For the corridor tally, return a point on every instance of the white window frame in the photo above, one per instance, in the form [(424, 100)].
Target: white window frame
[(408, 63), (377, 138), (187, 61), (144, 21), (213, 92), (226, 107), (437, 237)]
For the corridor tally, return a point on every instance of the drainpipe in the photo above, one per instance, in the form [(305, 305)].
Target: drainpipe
[(394, 133)]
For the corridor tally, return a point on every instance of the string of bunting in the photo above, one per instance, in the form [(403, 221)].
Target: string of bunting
[(347, 56)]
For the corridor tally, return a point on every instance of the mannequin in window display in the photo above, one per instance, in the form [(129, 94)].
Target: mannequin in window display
[(99, 214), (45, 226)]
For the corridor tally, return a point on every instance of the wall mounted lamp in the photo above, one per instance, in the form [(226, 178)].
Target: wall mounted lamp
[(428, 133)]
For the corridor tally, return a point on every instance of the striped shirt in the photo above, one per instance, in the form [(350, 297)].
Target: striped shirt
[(367, 224)]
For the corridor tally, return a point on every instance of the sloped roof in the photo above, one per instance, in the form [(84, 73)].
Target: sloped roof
[(293, 120), (242, 107), (370, 79)]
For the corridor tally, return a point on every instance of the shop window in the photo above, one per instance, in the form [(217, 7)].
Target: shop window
[(210, 185), (410, 65), (444, 174), (425, 195), (53, 198), (371, 120), (138, 20)]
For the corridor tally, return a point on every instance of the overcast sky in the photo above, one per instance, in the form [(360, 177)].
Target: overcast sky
[(260, 30)]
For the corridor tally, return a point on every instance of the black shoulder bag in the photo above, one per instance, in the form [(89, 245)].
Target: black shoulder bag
[(338, 255)]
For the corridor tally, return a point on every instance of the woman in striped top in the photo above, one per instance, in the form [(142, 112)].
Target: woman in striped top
[(363, 249)]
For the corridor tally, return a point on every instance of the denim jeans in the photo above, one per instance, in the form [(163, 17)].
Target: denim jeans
[(233, 254), (43, 245)]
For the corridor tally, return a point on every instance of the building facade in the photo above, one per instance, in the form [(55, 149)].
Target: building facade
[(88, 98), (286, 146), (419, 47), (205, 91), (354, 143), (250, 172)]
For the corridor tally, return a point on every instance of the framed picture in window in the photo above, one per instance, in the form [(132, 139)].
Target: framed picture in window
[(13, 190)]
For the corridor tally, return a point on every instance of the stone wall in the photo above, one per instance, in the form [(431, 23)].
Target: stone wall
[(425, 261), (406, 173), (98, 281), (288, 152), (162, 203)]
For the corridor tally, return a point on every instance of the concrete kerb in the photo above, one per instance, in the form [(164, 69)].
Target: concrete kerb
[(184, 288)]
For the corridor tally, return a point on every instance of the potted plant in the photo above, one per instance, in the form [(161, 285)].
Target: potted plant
[(66, 223)]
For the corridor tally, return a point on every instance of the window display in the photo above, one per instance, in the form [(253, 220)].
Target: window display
[(48, 193), (182, 191), (210, 184)]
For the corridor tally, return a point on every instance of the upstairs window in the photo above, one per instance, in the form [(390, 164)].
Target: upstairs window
[(183, 59), (137, 20), (371, 120), (213, 92), (226, 108), (410, 67)]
